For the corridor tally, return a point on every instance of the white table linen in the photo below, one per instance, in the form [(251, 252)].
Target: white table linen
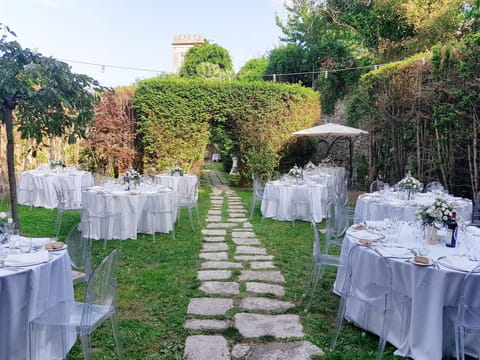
[(379, 205), (180, 184), (25, 292), (278, 196), (127, 209), (429, 288), (37, 187)]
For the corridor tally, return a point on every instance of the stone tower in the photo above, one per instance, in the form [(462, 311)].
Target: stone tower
[(181, 44)]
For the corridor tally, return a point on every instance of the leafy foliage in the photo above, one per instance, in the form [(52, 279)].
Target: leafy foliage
[(207, 60), (48, 99), (253, 70), (109, 143), (253, 120)]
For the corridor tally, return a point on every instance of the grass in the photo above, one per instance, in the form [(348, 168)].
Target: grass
[(156, 281)]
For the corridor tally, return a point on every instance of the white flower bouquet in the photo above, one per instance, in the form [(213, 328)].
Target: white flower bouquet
[(409, 183), (55, 163), (133, 175), (176, 170), (440, 211), (310, 166), (295, 171)]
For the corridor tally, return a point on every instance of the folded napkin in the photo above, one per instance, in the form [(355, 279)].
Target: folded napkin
[(458, 262), (36, 242), (364, 234), (27, 259), (394, 251)]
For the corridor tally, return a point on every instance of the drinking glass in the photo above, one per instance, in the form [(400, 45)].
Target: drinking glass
[(25, 244), (13, 237)]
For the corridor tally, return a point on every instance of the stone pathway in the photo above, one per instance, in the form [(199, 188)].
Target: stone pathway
[(243, 292)]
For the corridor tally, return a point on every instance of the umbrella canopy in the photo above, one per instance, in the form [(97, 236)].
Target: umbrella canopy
[(330, 129)]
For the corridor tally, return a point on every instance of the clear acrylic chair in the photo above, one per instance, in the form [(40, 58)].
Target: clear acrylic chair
[(257, 193), (79, 247), (160, 208), (464, 318), (300, 204), (377, 185), (327, 255), (188, 198), (375, 294), (434, 186), (68, 318), (66, 202)]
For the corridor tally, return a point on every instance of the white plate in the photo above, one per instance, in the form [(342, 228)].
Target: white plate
[(430, 262), (50, 257), (60, 249), (459, 263), (398, 252)]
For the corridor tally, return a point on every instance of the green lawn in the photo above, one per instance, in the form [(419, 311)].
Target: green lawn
[(156, 281)]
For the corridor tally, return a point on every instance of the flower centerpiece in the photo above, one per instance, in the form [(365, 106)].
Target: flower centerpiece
[(177, 170), (5, 222), (131, 176), (310, 166), (57, 163), (409, 184), (297, 173), (438, 212)]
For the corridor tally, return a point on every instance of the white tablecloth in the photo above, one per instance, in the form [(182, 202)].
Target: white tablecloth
[(429, 288), (278, 196), (37, 187), (26, 293), (128, 209), (180, 184), (378, 206)]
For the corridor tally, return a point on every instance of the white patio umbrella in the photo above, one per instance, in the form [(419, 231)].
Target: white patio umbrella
[(338, 131)]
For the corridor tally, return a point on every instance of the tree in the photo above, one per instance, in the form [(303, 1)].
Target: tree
[(47, 98), (253, 69), (207, 60)]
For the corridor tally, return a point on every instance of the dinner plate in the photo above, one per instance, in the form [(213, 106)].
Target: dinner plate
[(364, 234), (412, 260), (398, 252), (59, 249), (457, 262), (27, 264)]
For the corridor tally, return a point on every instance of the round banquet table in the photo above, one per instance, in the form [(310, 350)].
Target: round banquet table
[(429, 288), (177, 183), (25, 292), (125, 210), (278, 197), (379, 205), (37, 187)]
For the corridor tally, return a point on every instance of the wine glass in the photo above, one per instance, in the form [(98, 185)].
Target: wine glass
[(24, 244)]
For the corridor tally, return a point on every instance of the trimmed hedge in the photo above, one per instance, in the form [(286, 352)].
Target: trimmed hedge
[(176, 116)]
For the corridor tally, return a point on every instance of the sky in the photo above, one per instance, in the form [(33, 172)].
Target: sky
[(138, 33)]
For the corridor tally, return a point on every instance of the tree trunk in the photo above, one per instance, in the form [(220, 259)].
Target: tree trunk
[(12, 182)]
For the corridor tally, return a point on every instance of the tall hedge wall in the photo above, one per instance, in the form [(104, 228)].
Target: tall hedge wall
[(175, 118)]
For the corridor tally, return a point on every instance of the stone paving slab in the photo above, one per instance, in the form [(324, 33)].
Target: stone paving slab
[(214, 212), (206, 347), (213, 218), (214, 274), (214, 232), (215, 246), (295, 350), (246, 241), (206, 324), (243, 234), (221, 265), (221, 225), (237, 220), (221, 287), (279, 326), (254, 250), (253, 257), (214, 238), (272, 276), (266, 304), (259, 265), (214, 255), (247, 225), (263, 288), (216, 202), (236, 207), (209, 306), (237, 213)]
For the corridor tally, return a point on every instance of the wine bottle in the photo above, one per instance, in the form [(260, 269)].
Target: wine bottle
[(451, 240)]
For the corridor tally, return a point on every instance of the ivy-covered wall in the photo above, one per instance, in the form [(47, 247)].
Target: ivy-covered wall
[(177, 117)]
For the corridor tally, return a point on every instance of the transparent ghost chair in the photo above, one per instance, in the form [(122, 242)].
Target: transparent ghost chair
[(464, 318), (257, 193), (188, 198), (66, 200), (373, 291), (434, 186), (68, 318), (377, 185), (327, 255), (160, 212), (79, 247)]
